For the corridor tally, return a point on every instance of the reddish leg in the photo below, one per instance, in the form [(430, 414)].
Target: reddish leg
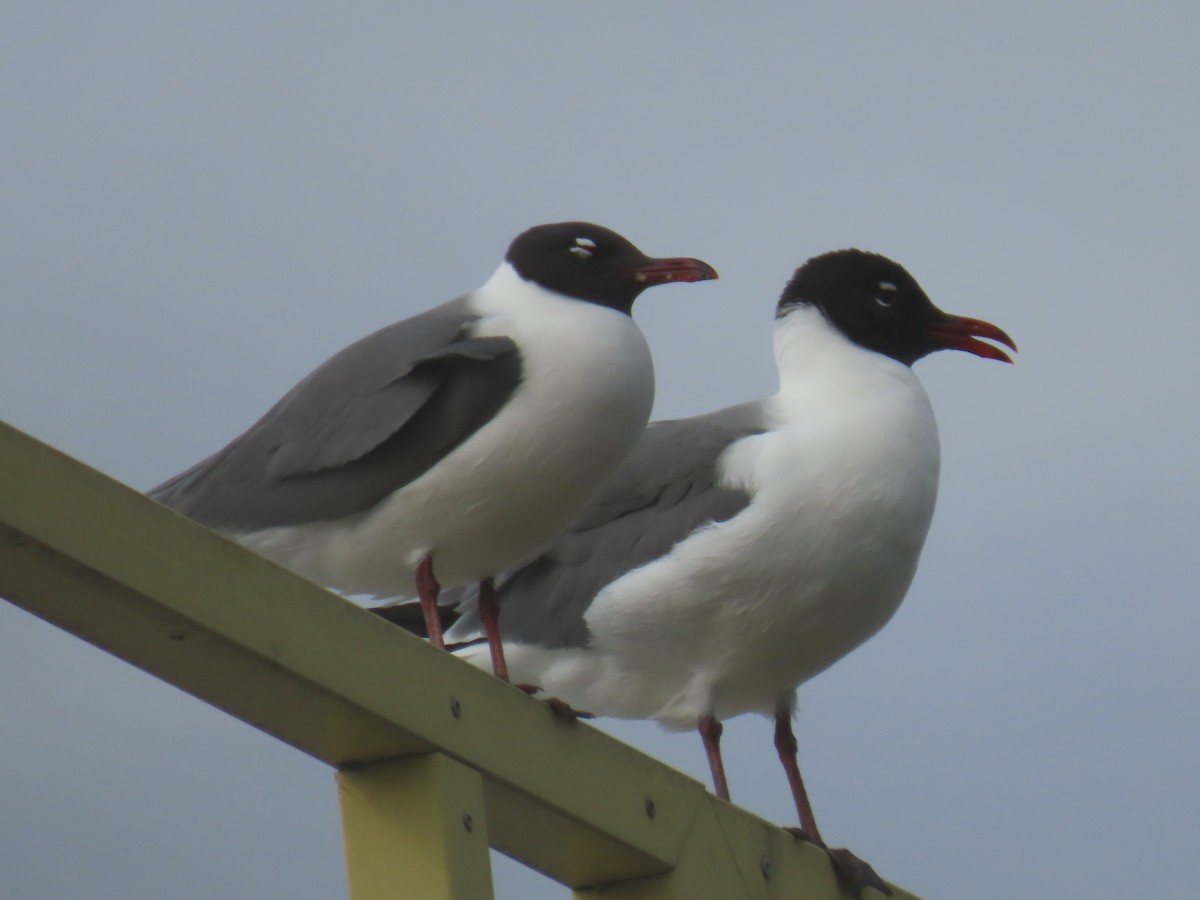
[(785, 745), (710, 731), (852, 872), (489, 616), (427, 591)]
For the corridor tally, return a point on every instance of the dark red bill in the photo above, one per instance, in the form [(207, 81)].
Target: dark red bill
[(676, 268), (961, 333)]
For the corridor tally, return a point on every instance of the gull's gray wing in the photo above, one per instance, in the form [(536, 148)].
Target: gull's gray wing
[(665, 490), (369, 420)]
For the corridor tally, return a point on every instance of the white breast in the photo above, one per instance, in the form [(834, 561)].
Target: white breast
[(586, 393)]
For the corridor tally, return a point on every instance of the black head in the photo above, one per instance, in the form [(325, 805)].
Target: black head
[(592, 263), (875, 303)]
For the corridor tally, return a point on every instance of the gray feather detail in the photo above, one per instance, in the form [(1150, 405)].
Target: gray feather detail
[(374, 417), (664, 491)]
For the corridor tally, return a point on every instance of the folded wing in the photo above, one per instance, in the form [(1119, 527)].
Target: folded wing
[(370, 420), (664, 491)]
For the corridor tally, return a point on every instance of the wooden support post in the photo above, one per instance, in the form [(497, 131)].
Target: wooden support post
[(415, 827)]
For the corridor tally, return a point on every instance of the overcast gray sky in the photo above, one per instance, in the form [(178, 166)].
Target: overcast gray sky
[(202, 202)]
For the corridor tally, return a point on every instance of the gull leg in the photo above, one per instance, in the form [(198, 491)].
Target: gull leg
[(786, 747), (710, 732), (489, 616), (428, 590), (852, 872)]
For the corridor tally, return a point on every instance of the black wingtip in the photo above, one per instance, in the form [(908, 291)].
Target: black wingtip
[(408, 616)]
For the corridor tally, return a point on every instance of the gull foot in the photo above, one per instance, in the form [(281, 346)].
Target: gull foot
[(852, 873), (563, 710)]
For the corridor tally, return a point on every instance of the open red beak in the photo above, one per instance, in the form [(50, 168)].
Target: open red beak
[(676, 268), (961, 333)]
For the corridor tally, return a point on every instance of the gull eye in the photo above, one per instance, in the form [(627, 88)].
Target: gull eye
[(887, 294), (583, 247)]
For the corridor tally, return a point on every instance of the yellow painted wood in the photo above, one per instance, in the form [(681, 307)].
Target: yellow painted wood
[(415, 828), (183, 603), (734, 856), (299, 662)]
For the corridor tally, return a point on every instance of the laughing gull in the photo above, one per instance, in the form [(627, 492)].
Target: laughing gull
[(735, 555), (457, 442)]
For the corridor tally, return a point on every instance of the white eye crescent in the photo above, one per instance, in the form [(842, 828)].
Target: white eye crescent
[(887, 294), (583, 247)]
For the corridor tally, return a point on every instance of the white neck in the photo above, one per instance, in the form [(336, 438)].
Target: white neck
[(504, 283), (809, 349)]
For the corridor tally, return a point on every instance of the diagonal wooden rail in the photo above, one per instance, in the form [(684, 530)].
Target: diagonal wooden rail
[(436, 760)]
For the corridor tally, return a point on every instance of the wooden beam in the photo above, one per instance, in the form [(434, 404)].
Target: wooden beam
[(203, 613)]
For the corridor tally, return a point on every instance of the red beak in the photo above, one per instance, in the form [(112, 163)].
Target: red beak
[(676, 268), (961, 333)]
